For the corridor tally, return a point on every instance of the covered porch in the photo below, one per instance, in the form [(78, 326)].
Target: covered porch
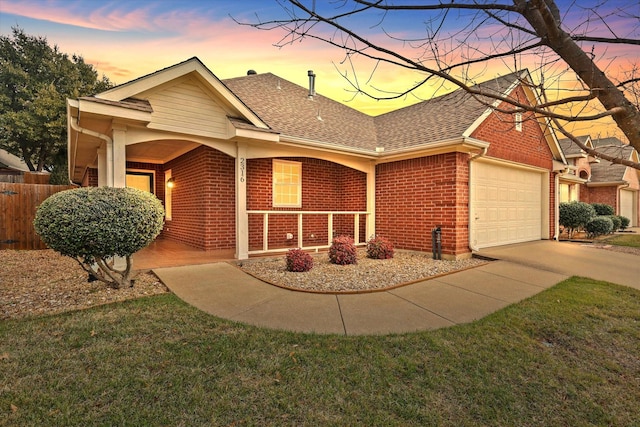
[(171, 253)]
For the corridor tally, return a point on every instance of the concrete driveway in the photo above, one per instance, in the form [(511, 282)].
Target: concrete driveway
[(572, 259)]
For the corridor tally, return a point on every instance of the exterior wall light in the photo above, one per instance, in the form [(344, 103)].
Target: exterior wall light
[(171, 183)]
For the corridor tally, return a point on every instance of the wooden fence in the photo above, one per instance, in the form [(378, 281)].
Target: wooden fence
[(18, 204)]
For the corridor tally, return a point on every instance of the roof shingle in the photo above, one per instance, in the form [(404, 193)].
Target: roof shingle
[(605, 171), (288, 109)]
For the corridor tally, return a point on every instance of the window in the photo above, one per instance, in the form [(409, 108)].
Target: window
[(142, 180), (287, 184), (568, 193), (518, 122)]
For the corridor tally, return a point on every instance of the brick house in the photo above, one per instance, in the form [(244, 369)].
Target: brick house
[(594, 180), (257, 164)]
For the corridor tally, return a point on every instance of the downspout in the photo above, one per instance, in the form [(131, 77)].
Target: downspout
[(482, 153), (75, 125)]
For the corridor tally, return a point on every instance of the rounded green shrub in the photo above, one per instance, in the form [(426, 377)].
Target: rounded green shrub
[(343, 251), (624, 222), (602, 209), (599, 226), (298, 260), (379, 248), (96, 224), (615, 220), (575, 215)]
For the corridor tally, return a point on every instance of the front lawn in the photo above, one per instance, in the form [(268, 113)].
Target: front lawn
[(568, 356), (631, 240)]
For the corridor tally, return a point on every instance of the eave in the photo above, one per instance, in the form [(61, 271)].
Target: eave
[(459, 145), (607, 183)]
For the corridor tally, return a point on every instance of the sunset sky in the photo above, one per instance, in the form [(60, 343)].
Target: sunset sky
[(127, 39)]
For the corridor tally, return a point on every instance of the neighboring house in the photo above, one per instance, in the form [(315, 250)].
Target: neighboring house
[(258, 164), (593, 180), (12, 168)]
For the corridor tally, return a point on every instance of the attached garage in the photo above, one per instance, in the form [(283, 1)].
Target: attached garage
[(509, 204), (628, 203)]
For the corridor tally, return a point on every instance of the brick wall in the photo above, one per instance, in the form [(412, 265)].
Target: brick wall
[(90, 178), (526, 147), (326, 186), (414, 196), (203, 200), (606, 195)]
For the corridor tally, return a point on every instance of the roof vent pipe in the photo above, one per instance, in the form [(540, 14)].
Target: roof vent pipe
[(312, 84)]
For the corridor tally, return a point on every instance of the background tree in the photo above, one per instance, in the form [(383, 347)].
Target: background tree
[(570, 52), (36, 79)]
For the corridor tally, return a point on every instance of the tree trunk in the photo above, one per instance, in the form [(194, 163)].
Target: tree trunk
[(547, 26)]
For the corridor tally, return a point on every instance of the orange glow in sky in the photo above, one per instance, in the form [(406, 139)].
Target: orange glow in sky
[(128, 39)]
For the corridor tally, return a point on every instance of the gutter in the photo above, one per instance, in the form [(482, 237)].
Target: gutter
[(620, 183), (481, 153)]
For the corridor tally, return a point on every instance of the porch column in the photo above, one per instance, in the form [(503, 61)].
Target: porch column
[(371, 201), (119, 165), (102, 165), (118, 169), (242, 218)]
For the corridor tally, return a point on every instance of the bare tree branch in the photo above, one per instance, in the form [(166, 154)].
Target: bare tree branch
[(532, 28)]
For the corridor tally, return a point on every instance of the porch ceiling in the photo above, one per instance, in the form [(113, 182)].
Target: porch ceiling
[(158, 151)]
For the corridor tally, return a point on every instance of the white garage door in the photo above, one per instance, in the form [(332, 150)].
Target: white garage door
[(627, 199), (506, 205)]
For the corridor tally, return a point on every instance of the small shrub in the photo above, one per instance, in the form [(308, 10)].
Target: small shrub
[(575, 215), (602, 209), (299, 261), (624, 222), (616, 222), (95, 224), (598, 226), (379, 248), (343, 251)]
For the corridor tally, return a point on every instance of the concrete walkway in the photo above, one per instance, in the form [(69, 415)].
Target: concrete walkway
[(522, 271)]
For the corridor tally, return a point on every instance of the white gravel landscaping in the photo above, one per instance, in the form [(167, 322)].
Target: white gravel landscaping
[(367, 275)]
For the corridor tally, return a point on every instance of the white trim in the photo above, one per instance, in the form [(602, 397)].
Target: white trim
[(518, 122), (168, 196)]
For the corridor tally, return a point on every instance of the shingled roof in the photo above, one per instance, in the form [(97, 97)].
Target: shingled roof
[(570, 149), (437, 119), (605, 171), (288, 109)]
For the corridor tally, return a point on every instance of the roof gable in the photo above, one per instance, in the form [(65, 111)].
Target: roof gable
[(194, 69)]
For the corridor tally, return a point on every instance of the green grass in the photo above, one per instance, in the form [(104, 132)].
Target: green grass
[(566, 357), (632, 240)]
